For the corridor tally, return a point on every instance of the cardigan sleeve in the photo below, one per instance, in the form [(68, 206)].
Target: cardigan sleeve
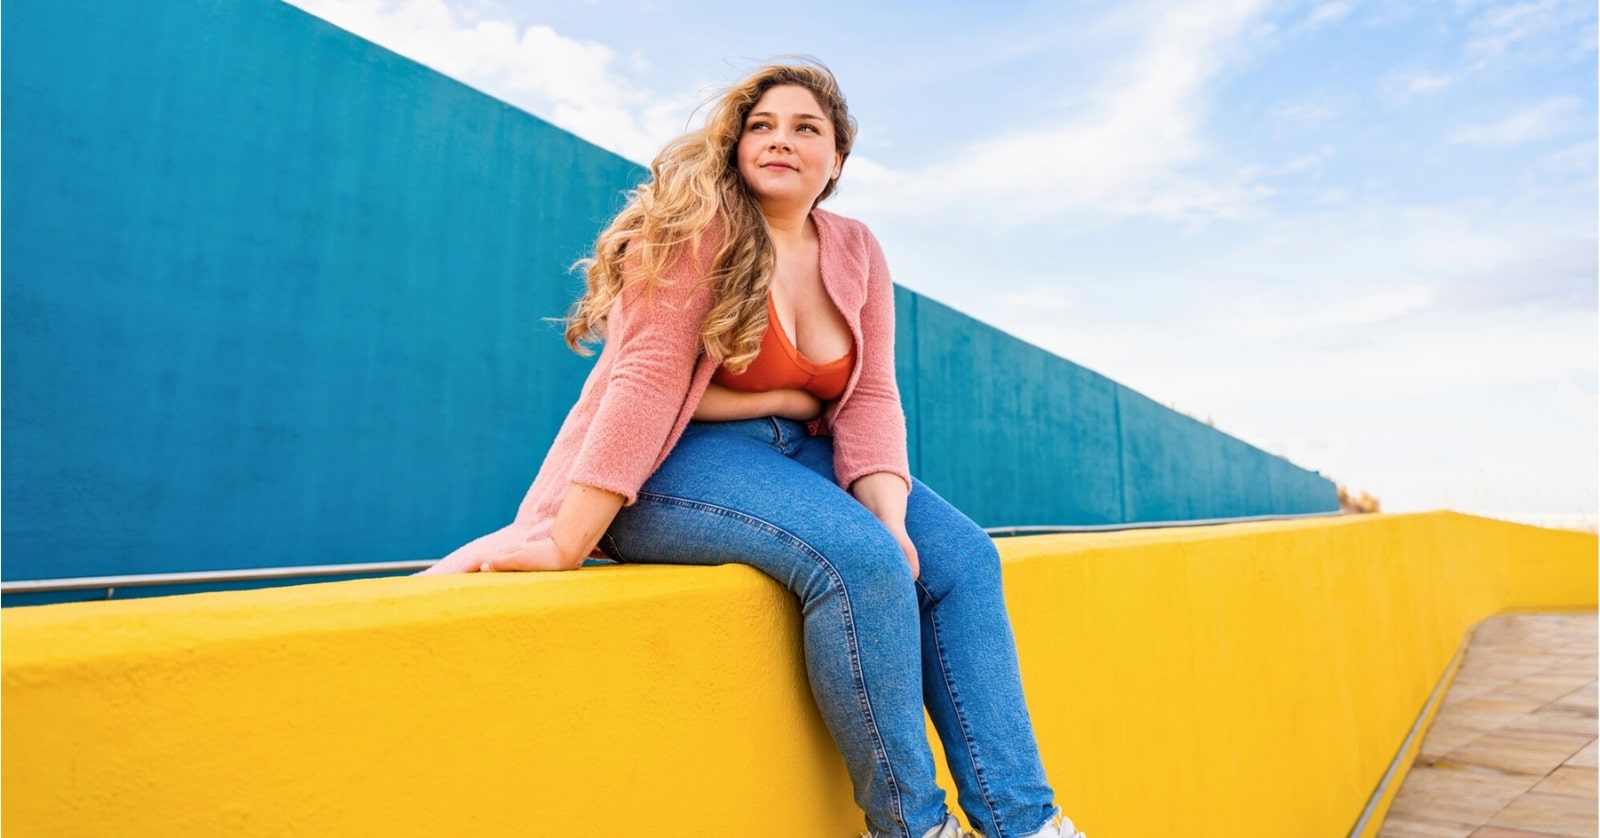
[(869, 429), (655, 334)]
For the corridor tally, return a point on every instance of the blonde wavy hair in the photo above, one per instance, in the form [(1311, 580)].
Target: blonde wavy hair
[(694, 183)]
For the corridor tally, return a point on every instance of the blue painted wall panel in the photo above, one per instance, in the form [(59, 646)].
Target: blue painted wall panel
[(907, 371), (273, 296), (1010, 433)]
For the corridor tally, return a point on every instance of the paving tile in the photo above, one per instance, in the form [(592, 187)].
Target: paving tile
[(1458, 793), (1519, 756), (1512, 751), (1477, 716), (1585, 697), (1555, 814), (1496, 704), (1497, 832), (1573, 782), (1496, 631), (1403, 825), (1463, 688), (1578, 739), (1443, 737), (1585, 758), (1511, 670), (1543, 688), (1560, 719), (1487, 721)]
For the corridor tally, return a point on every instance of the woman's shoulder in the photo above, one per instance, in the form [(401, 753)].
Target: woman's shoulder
[(853, 234)]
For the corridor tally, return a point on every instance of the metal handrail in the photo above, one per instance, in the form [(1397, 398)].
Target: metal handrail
[(1004, 532), (194, 577), (203, 577)]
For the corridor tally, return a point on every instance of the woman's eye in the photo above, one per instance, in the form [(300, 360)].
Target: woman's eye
[(808, 127)]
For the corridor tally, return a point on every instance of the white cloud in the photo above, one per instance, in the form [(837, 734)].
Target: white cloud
[(1124, 152), (1418, 84), (1533, 123), (1425, 83), (1037, 298), (1306, 113), (1297, 164), (1533, 32), (1356, 306), (1321, 15), (1574, 165), (1337, 312), (576, 84), (1504, 28)]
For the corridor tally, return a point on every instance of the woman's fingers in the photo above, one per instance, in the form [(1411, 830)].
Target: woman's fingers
[(469, 557), (911, 553), (458, 562), (509, 560), (534, 555)]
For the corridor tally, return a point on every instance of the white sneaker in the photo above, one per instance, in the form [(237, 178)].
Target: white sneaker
[(1062, 828), (949, 829), (1058, 829)]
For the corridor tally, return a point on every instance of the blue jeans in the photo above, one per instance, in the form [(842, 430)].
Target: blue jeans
[(878, 644)]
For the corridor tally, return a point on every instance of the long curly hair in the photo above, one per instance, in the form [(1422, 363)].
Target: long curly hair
[(694, 183)]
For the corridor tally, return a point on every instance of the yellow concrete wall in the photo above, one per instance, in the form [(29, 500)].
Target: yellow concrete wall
[(1242, 680)]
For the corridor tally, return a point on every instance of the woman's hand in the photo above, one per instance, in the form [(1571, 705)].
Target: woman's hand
[(505, 549), (468, 557), (725, 404), (543, 554), (488, 555), (884, 495), (910, 549), (585, 513)]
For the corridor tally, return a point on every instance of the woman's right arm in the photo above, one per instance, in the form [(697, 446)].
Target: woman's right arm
[(725, 404), (584, 515), (655, 335)]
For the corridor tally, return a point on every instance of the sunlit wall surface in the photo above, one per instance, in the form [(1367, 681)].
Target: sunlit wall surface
[(275, 296)]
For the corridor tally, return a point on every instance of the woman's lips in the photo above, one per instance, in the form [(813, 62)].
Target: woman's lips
[(779, 166)]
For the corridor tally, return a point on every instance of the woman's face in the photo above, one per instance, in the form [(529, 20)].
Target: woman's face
[(786, 151)]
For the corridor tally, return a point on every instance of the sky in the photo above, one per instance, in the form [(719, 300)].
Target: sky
[(1358, 235)]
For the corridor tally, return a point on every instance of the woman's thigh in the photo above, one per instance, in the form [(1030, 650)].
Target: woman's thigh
[(727, 495)]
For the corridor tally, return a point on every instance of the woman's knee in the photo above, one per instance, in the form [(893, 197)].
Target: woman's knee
[(866, 559), (960, 557)]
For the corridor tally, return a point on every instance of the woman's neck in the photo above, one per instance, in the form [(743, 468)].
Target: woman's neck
[(788, 229)]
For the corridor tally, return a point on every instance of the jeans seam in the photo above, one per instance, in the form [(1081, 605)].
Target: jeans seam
[(880, 751), (777, 433), (961, 720)]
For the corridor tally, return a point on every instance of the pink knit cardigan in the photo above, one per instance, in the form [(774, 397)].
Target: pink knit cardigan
[(652, 373)]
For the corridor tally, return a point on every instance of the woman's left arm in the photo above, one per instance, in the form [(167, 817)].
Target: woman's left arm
[(884, 495), (869, 428), (722, 403)]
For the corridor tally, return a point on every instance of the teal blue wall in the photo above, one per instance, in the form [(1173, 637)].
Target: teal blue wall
[(274, 295)]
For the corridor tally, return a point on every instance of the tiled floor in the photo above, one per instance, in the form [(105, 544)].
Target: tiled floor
[(1511, 752)]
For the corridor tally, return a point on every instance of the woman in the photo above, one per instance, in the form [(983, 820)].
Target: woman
[(744, 409)]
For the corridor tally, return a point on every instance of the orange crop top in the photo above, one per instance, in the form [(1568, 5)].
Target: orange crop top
[(779, 365)]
